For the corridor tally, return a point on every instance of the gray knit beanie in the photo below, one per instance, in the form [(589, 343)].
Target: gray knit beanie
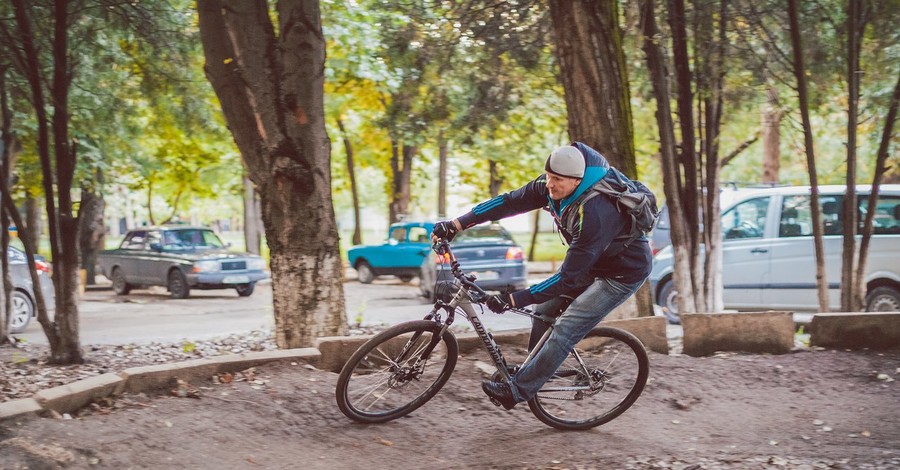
[(565, 161)]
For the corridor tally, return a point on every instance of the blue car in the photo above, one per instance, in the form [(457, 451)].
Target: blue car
[(401, 255)]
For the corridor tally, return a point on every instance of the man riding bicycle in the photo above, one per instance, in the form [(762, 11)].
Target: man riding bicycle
[(603, 266)]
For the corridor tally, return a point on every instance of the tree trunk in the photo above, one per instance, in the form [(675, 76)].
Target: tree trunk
[(595, 80), (659, 82), (689, 157), (92, 237), (880, 169), (494, 179), (63, 332), (443, 151), (401, 169), (535, 230), (32, 228), (848, 255), (271, 90), (816, 208), (253, 226), (6, 159), (771, 137), (351, 171)]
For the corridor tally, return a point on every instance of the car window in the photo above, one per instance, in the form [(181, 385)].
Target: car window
[(887, 214), (153, 238), (418, 235), (134, 240), (191, 239), (398, 234), (746, 220), (796, 216)]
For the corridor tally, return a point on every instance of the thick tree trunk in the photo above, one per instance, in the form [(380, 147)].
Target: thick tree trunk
[(92, 237), (818, 229), (880, 169), (771, 137), (253, 226), (848, 255), (589, 50), (668, 156), (351, 172), (401, 169), (32, 228), (271, 91), (595, 80)]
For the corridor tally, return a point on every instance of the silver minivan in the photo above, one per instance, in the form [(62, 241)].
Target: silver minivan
[(768, 254)]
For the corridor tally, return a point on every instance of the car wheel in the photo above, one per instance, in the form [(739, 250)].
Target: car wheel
[(883, 299), (668, 300), (22, 312), (245, 290), (178, 286), (405, 278), (119, 285), (365, 273)]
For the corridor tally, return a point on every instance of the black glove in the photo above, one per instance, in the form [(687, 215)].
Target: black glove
[(445, 229), (498, 303)]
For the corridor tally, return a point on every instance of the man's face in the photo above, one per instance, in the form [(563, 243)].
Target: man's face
[(561, 187)]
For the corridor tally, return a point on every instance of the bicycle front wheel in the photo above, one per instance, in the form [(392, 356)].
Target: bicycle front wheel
[(396, 372), (609, 378)]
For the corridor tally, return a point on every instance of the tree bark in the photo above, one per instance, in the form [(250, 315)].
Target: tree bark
[(401, 176), (880, 169), (92, 236), (668, 157), (351, 172), (592, 62), (253, 226), (771, 137), (595, 80), (494, 179), (271, 91), (816, 208), (848, 255)]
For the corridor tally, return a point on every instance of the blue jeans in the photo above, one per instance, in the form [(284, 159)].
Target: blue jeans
[(585, 312)]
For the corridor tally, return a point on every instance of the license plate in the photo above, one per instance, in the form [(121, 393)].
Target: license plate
[(487, 275), (236, 280)]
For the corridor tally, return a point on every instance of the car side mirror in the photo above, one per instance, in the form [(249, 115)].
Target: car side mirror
[(156, 247)]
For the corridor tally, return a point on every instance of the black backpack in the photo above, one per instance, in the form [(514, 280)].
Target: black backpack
[(631, 197)]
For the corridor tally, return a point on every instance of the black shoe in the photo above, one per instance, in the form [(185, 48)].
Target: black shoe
[(500, 393)]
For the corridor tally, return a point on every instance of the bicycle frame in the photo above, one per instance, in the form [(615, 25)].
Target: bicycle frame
[(468, 292)]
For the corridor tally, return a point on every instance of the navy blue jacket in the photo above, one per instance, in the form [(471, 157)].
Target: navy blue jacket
[(600, 223)]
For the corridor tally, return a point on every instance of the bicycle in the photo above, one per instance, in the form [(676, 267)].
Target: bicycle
[(403, 367)]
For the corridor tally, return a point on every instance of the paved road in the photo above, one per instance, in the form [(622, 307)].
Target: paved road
[(148, 315)]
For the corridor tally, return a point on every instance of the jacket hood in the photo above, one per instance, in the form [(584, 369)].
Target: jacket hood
[(595, 168)]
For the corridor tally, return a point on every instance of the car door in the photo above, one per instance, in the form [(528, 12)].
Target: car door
[(745, 256), (792, 282), (129, 254)]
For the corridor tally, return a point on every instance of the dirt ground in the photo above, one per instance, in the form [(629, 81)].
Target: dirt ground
[(812, 409)]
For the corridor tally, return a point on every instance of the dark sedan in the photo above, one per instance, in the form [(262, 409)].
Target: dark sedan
[(487, 251), (180, 258)]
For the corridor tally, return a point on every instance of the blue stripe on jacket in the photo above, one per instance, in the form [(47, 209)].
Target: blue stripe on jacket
[(488, 205), (544, 285)]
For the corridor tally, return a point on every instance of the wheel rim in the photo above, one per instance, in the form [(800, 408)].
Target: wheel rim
[(118, 281), (365, 273), (382, 384), (571, 400), (671, 302), (884, 303), (21, 312)]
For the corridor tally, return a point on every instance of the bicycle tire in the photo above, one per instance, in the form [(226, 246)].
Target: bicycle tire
[(376, 385), (620, 366)]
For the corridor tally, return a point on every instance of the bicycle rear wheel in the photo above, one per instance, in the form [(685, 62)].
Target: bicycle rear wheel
[(614, 372), (390, 376)]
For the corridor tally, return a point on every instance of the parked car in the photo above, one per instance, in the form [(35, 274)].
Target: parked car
[(181, 258), (401, 255), (23, 302), (768, 254), (487, 251)]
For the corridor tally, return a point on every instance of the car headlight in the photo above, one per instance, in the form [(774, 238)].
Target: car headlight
[(256, 263), (206, 266)]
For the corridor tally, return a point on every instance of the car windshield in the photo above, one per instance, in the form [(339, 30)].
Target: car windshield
[(492, 233), (191, 239)]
